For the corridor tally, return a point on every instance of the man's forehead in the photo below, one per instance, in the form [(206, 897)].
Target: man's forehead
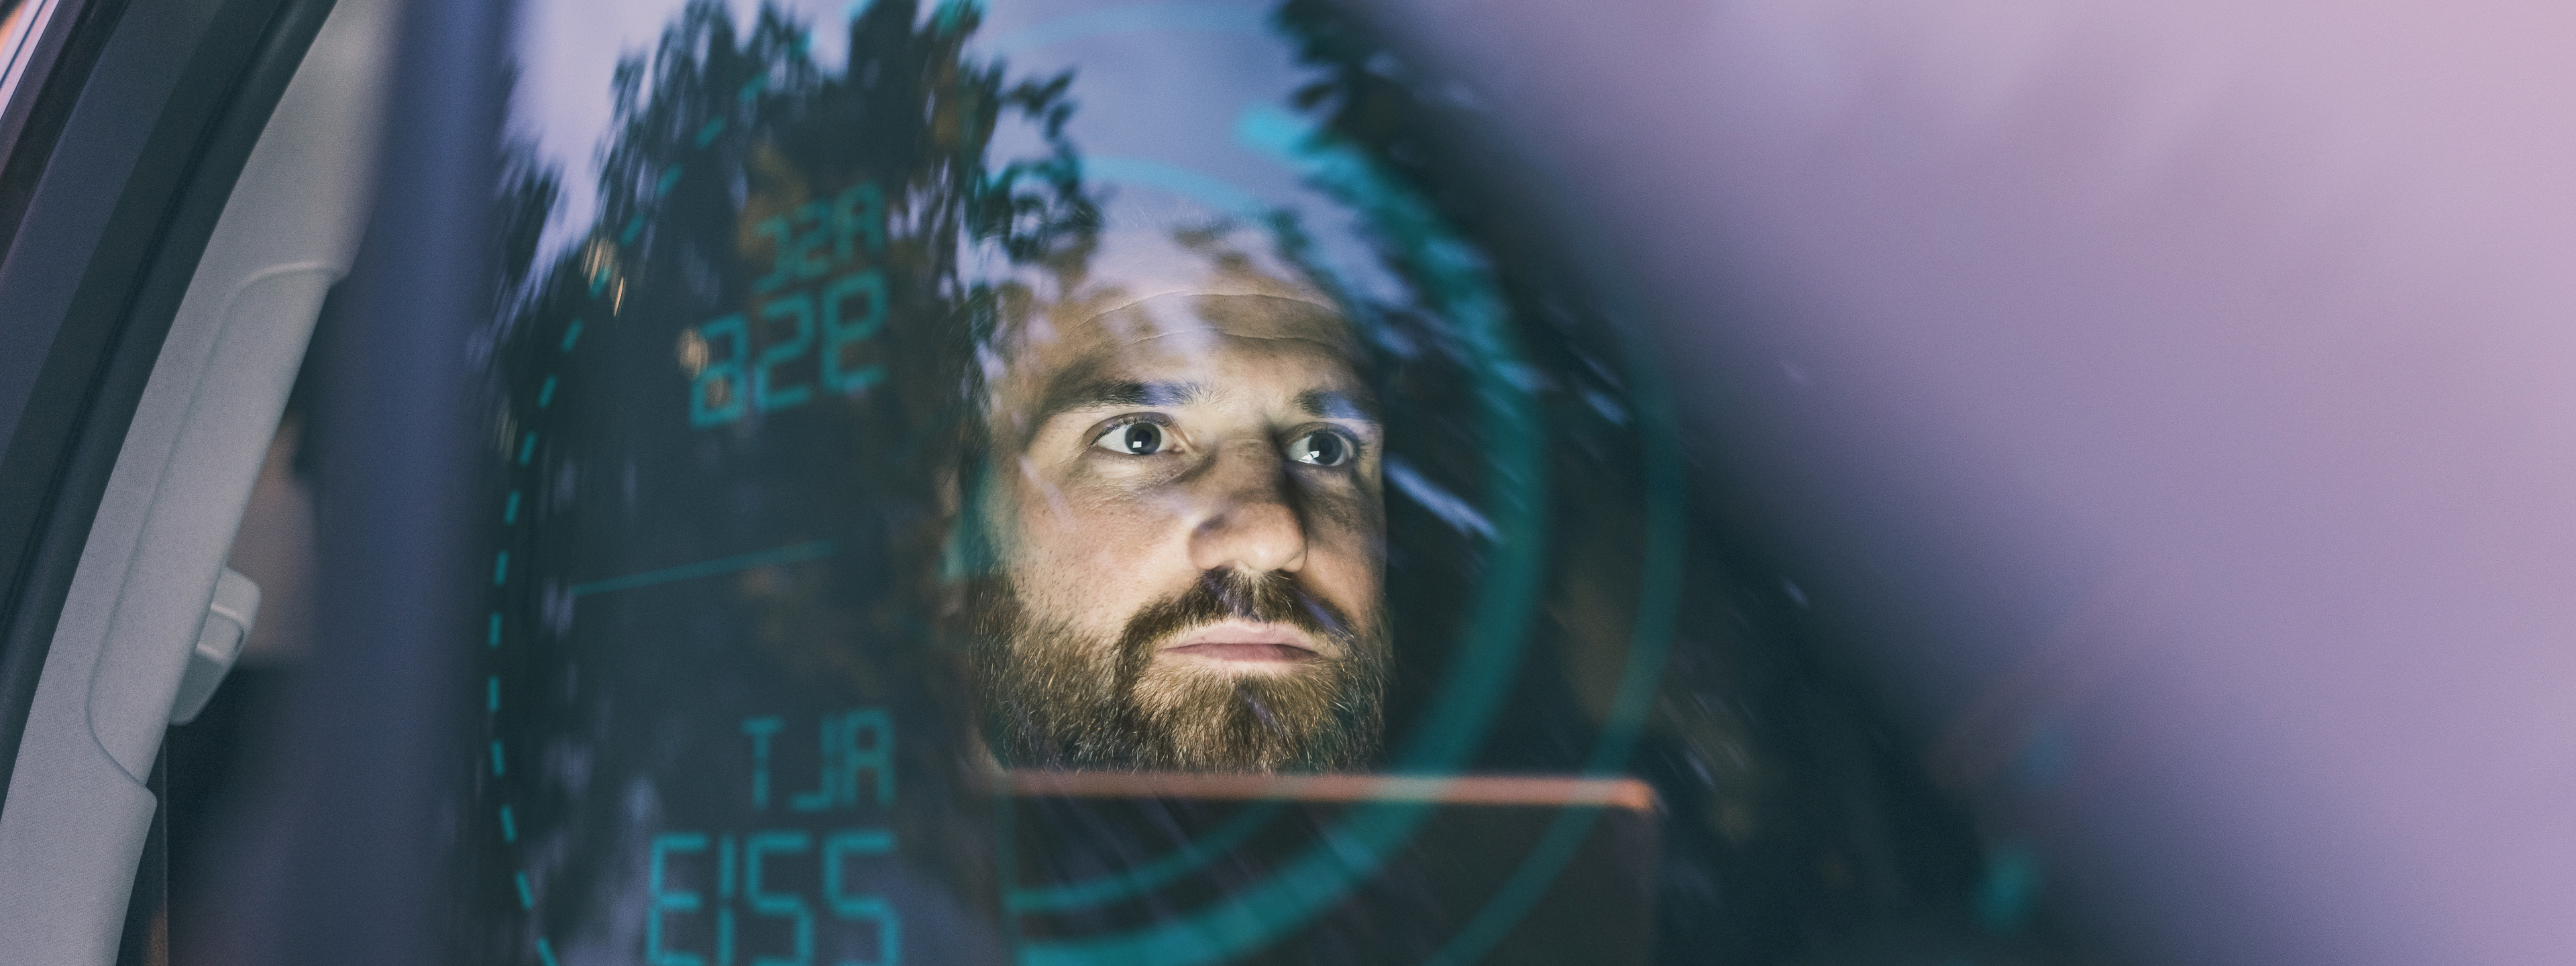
[(1181, 323), (1297, 374), (1193, 348), (1325, 395)]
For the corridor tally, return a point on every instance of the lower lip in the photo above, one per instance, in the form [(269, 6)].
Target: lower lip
[(1220, 651)]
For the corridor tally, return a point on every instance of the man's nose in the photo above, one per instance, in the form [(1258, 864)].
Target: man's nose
[(1250, 519)]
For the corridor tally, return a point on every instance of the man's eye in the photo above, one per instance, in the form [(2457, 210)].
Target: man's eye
[(1321, 448), (1134, 439)]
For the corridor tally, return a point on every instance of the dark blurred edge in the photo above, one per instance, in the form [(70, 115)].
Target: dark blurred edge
[(58, 60), (371, 747)]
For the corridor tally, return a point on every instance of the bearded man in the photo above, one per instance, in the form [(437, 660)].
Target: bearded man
[(1183, 511)]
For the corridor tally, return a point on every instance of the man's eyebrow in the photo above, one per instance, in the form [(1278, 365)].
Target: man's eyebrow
[(1103, 394), (1327, 404)]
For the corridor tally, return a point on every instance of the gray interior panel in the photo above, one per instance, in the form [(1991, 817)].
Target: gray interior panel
[(75, 822)]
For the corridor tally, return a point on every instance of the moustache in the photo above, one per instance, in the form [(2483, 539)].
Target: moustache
[(1227, 594)]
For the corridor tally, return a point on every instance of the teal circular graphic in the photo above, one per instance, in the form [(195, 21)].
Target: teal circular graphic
[(1452, 278)]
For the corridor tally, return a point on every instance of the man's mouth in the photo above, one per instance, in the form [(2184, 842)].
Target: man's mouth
[(1244, 641)]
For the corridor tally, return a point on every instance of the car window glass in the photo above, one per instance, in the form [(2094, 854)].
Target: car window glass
[(1059, 481)]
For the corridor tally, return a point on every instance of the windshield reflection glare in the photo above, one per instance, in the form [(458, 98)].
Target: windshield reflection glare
[(1077, 481)]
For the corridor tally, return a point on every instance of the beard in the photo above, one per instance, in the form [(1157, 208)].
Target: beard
[(1055, 697)]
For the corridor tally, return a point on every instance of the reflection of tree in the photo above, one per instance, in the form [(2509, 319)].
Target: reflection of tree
[(1791, 818), (1794, 820), (720, 137)]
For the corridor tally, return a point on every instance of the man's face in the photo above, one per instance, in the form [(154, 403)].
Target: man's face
[(1185, 500)]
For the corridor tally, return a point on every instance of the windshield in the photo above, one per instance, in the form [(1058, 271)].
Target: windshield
[(1063, 481)]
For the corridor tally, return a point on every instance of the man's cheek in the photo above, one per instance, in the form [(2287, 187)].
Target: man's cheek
[(1097, 534), (1093, 565), (1348, 526), (1349, 583), (1346, 568)]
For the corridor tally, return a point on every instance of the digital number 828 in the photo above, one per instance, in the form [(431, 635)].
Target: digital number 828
[(847, 309)]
